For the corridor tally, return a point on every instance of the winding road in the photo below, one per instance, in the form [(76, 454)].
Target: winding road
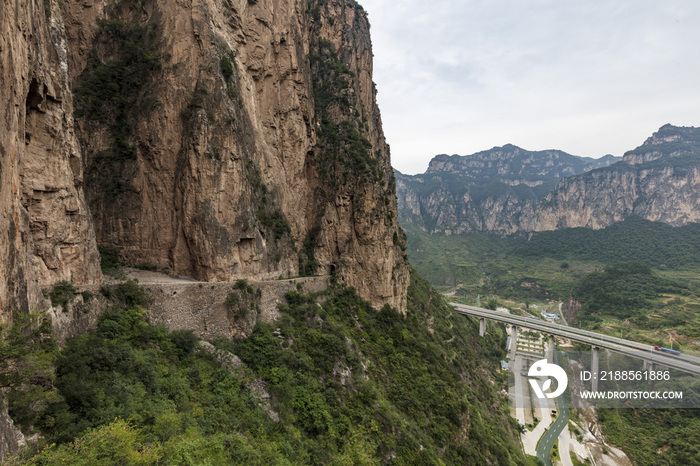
[(547, 441)]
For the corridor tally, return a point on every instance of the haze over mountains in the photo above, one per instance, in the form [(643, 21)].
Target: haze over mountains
[(508, 190)]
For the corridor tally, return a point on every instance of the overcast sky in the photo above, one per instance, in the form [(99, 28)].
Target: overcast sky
[(590, 77)]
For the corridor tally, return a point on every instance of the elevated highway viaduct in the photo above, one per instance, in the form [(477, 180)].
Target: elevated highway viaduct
[(682, 362)]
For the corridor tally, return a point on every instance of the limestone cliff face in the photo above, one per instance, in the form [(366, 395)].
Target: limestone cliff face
[(47, 233), (219, 139), (466, 208), (508, 191), (593, 201), (658, 181), (243, 141), (668, 141), (495, 190)]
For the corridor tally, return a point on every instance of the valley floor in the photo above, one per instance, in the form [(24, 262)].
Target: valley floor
[(580, 437)]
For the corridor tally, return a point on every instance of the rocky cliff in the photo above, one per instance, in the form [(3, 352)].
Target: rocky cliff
[(508, 190), (658, 181), (47, 233), (220, 139)]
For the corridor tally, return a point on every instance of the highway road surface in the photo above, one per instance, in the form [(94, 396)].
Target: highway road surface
[(544, 448), (685, 363)]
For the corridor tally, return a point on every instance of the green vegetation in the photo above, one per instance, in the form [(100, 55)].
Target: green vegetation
[(633, 240), (113, 92), (398, 242), (180, 406), (479, 264), (654, 436), (350, 385), (110, 263), (126, 294), (621, 290), (242, 300), (315, 14), (274, 221), (549, 264), (629, 298), (576, 461), (554, 454), (27, 355), (62, 293), (345, 153), (117, 442), (226, 67), (351, 347), (635, 279)]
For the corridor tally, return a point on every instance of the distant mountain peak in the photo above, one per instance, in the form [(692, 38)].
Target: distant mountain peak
[(509, 147), (506, 190), (511, 159), (668, 141)]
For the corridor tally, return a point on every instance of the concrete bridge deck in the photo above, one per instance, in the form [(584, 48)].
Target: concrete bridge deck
[(685, 363)]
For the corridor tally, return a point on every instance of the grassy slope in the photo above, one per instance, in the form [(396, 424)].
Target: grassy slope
[(351, 385)]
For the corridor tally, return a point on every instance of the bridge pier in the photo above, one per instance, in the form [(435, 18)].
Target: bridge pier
[(482, 326), (550, 349), (594, 368), (649, 366), (513, 341)]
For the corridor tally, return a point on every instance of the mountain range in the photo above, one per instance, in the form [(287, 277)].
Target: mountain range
[(508, 190)]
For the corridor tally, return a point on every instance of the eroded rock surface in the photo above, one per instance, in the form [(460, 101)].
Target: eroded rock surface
[(254, 146), (508, 190), (47, 233), (222, 140)]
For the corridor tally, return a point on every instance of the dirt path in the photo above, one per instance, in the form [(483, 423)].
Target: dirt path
[(149, 277)]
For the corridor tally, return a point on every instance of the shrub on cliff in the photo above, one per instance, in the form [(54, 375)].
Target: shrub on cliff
[(128, 293), (62, 293), (226, 67)]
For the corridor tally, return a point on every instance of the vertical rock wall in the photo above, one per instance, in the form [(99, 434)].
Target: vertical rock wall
[(222, 168), (46, 232)]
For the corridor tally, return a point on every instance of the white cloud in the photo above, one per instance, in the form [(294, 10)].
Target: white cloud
[(590, 78)]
